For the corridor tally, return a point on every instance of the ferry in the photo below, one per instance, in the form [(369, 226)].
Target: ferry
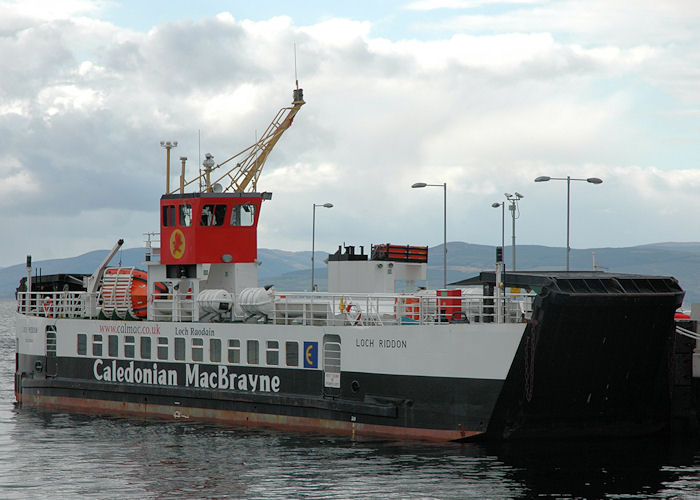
[(193, 336)]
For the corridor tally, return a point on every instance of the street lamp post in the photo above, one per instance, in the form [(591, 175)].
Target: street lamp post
[(513, 199), (501, 266), (503, 221), (313, 240), (444, 225), (568, 179)]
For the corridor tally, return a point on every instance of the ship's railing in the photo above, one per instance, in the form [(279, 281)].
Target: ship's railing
[(172, 307), (329, 309), (56, 304), (302, 308), (79, 304)]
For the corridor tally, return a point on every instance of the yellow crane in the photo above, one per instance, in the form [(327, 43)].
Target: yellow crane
[(249, 162)]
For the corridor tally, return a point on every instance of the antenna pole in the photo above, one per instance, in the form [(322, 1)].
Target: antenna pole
[(199, 156), (168, 146), (296, 78)]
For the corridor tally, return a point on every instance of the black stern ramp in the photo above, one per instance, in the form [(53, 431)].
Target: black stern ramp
[(596, 358)]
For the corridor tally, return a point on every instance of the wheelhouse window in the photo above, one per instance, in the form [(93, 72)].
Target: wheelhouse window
[(162, 347), (213, 215), (272, 353), (97, 345), (129, 344), (82, 344), (234, 351), (146, 347), (113, 346), (179, 348), (243, 215), (253, 353), (292, 350), (215, 350), (168, 215), (186, 215), (197, 349)]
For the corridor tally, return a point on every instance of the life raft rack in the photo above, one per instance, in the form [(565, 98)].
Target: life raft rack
[(124, 293), (400, 253)]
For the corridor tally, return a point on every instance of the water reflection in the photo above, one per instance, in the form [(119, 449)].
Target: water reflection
[(95, 456), (76, 453), (584, 469)]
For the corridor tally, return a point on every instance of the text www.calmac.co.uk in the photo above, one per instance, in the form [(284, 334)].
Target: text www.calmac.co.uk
[(131, 329)]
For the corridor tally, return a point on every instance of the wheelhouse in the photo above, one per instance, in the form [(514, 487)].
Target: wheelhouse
[(209, 228)]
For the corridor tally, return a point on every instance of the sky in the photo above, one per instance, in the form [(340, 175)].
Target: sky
[(483, 95)]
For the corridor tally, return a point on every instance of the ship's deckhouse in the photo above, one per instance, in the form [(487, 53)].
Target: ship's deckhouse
[(209, 228)]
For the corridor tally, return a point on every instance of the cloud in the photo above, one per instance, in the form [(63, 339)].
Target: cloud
[(636, 203), (48, 11), (485, 106), (622, 22), (425, 5), (14, 180), (338, 32), (535, 55)]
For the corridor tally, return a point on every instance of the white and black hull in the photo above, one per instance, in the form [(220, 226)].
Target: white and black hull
[(444, 399), (586, 364)]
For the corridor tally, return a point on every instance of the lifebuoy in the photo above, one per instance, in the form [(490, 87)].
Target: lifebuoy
[(47, 305), (459, 317), (353, 313)]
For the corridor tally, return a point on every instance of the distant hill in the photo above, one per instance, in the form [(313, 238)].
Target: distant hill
[(292, 270), (274, 263)]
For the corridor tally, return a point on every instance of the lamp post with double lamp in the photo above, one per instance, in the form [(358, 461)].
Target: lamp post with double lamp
[(313, 241), (513, 199), (568, 179), (444, 225)]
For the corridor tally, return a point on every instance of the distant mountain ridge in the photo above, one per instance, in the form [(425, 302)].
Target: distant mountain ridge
[(292, 270)]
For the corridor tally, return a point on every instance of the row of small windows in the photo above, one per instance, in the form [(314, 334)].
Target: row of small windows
[(212, 215), (197, 348)]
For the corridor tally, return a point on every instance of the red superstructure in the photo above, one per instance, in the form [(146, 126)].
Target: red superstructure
[(209, 228), (219, 224)]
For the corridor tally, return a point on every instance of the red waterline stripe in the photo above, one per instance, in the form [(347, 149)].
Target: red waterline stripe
[(282, 422)]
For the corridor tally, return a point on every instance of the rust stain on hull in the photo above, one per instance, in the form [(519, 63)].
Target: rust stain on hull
[(243, 419)]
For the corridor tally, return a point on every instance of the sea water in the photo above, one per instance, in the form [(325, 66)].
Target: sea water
[(63, 455)]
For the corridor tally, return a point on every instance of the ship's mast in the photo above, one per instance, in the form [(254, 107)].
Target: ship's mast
[(243, 176)]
